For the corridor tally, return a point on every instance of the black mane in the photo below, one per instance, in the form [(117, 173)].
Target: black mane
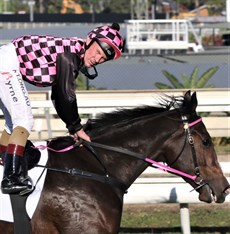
[(124, 116)]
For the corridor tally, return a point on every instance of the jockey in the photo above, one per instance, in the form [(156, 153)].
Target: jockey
[(45, 61)]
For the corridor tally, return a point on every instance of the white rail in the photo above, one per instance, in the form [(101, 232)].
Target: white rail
[(91, 103), (161, 35)]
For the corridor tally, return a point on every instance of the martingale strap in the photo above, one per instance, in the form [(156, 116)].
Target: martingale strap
[(89, 175)]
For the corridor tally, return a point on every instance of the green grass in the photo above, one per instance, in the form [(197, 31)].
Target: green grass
[(165, 218)]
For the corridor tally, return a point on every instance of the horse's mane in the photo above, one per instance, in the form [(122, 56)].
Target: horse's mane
[(123, 116)]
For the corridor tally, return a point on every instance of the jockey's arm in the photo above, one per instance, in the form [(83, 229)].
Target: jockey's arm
[(63, 92)]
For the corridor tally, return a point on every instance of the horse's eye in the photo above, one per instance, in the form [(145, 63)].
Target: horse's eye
[(206, 142)]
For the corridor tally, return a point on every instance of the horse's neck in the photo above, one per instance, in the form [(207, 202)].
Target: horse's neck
[(145, 140)]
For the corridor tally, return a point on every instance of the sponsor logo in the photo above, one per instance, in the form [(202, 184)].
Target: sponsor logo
[(24, 91), (22, 86), (12, 92)]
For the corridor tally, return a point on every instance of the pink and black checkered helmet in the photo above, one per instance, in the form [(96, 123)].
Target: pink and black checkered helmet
[(109, 39)]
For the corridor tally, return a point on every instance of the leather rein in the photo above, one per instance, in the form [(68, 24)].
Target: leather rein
[(197, 178)]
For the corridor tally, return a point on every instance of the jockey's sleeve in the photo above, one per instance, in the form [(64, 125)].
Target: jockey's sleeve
[(63, 92)]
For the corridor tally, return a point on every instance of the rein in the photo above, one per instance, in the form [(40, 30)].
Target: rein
[(90, 175), (151, 162)]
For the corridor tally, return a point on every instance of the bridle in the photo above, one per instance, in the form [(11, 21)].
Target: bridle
[(197, 178)]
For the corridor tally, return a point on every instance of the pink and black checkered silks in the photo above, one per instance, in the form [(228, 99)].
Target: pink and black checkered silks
[(37, 56)]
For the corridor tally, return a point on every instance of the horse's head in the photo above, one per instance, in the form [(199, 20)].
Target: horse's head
[(172, 133), (195, 154)]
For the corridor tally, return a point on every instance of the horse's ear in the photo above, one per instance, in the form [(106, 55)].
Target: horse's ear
[(187, 95), (194, 102), (190, 101), (187, 98)]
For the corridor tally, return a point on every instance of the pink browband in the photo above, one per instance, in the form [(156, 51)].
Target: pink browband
[(195, 122)]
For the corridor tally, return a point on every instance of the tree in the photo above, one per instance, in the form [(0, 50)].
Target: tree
[(82, 84), (191, 4), (188, 82), (53, 6)]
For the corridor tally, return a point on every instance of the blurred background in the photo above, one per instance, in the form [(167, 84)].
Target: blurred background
[(169, 44), (204, 33)]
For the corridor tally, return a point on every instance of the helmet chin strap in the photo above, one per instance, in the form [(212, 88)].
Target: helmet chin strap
[(108, 50), (85, 71)]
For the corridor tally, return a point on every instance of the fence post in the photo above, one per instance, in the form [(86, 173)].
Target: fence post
[(185, 218), (48, 121)]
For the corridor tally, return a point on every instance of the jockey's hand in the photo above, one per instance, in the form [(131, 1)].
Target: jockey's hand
[(82, 135)]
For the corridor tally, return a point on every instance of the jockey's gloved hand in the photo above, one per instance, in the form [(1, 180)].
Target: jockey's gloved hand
[(80, 134)]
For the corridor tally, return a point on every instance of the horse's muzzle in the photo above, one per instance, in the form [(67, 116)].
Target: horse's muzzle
[(206, 194), (221, 198)]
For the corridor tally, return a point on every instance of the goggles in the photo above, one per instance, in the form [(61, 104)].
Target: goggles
[(107, 49)]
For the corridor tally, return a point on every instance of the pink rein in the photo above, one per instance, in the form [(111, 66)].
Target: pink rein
[(42, 147), (156, 164), (163, 167)]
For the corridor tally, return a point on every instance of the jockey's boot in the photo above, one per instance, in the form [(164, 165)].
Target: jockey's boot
[(12, 181), (25, 177)]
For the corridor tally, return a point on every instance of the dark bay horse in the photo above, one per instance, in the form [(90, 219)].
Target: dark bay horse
[(84, 188)]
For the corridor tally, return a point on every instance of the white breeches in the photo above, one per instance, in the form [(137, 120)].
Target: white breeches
[(14, 100)]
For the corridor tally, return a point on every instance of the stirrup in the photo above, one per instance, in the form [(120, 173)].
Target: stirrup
[(12, 185), (30, 187)]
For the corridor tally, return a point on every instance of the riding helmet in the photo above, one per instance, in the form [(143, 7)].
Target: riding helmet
[(109, 39)]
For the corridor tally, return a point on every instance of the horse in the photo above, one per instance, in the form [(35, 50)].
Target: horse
[(85, 186)]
